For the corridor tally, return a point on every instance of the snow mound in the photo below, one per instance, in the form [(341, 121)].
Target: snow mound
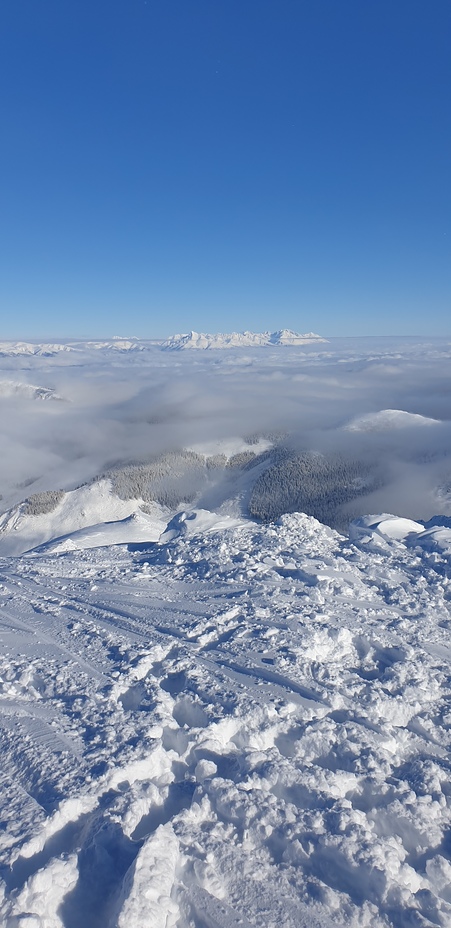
[(196, 521), (201, 340), (140, 527), (387, 525), (413, 534), (437, 538), (388, 419)]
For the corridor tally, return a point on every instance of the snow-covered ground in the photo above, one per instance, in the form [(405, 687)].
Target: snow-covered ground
[(206, 722), (88, 509), (239, 726)]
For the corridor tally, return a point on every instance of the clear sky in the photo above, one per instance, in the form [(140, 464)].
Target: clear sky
[(170, 165)]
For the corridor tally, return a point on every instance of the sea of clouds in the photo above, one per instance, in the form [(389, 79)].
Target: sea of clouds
[(118, 408)]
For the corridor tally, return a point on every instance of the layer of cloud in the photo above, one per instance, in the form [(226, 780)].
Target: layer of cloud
[(143, 405)]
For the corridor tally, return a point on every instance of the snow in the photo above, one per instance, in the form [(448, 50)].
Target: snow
[(11, 389), (238, 725), (29, 348), (119, 345), (139, 527), (201, 340), (207, 722), (198, 520), (389, 419), (230, 446), (82, 514), (436, 537), (385, 525), (148, 897)]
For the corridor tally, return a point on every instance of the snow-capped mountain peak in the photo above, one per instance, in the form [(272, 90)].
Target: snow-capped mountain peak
[(12, 389), (202, 340)]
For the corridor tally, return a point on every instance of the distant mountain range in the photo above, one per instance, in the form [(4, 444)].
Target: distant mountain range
[(199, 340), (23, 349), (18, 349)]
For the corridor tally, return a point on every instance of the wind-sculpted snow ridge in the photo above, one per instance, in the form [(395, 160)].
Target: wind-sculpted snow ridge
[(201, 340), (246, 726)]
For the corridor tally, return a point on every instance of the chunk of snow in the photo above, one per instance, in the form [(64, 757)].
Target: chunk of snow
[(197, 520), (148, 887), (387, 525)]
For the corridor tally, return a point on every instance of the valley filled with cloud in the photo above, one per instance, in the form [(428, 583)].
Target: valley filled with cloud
[(224, 621)]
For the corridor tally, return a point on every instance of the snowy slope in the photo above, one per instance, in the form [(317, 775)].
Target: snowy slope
[(47, 516), (388, 419), (28, 348), (234, 478), (140, 527), (241, 726), (200, 340), (93, 505)]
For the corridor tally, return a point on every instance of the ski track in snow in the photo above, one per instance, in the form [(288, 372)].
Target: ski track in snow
[(246, 728)]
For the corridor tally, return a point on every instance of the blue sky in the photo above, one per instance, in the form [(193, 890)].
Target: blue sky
[(225, 164)]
